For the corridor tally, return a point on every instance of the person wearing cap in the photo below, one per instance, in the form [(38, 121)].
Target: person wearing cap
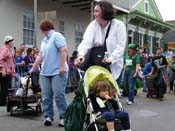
[(7, 67), (131, 67), (159, 64)]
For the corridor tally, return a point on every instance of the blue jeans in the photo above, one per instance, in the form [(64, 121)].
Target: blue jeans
[(144, 83), (121, 115), (130, 84), (124, 117), (54, 87)]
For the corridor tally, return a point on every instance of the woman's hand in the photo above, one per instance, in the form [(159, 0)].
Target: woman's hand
[(135, 74), (31, 71), (3, 73), (61, 71), (150, 73), (79, 60), (106, 61)]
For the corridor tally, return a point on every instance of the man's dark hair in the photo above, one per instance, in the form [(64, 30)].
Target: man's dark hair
[(107, 10), (158, 48)]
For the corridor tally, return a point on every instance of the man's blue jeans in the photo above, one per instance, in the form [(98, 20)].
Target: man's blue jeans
[(130, 84), (54, 87)]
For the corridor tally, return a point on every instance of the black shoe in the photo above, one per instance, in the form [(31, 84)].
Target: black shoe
[(61, 123), (161, 99)]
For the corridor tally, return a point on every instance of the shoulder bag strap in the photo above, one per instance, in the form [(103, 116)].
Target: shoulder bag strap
[(107, 33)]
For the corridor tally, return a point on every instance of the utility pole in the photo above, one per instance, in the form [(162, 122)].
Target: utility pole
[(35, 22)]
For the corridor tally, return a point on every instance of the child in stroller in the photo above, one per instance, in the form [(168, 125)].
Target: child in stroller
[(107, 107), (102, 98)]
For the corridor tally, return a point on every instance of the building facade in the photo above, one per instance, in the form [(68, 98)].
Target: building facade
[(145, 25), (17, 19), (20, 19)]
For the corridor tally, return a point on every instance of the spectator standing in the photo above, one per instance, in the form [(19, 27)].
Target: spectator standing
[(22, 47), (172, 73), (159, 64), (29, 61), (7, 67), (54, 72), (131, 66), (146, 70), (20, 69)]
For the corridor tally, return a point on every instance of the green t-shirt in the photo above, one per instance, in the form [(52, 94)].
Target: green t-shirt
[(130, 62)]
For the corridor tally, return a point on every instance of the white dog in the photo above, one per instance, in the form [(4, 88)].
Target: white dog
[(26, 86)]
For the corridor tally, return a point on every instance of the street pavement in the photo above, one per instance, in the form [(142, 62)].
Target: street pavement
[(146, 114)]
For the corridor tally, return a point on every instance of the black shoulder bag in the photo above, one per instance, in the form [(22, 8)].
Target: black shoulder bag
[(96, 54)]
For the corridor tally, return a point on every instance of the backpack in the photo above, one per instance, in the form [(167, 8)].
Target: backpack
[(75, 113)]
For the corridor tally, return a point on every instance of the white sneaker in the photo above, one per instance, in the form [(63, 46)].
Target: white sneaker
[(61, 123), (48, 121), (130, 102)]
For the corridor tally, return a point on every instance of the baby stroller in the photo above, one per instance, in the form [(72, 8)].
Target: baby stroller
[(73, 78), (93, 74), (157, 84), (87, 119), (24, 98), (151, 86)]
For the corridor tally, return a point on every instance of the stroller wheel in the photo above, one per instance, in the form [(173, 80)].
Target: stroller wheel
[(8, 108), (38, 107), (11, 110)]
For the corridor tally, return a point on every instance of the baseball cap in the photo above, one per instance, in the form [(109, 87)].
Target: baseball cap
[(8, 38), (132, 46)]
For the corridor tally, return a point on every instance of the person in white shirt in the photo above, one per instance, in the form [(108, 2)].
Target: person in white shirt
[(95, 35)]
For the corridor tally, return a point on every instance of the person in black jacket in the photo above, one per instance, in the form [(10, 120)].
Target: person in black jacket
[(106, 107), (159, 65)]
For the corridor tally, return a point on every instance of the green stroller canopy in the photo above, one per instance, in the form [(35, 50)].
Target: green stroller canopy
[(95, 73)]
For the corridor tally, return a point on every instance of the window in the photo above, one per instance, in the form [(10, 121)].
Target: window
[(79, 29), (140, 39), (28, 28), (61, 27), (47, 15), (146, 6)]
